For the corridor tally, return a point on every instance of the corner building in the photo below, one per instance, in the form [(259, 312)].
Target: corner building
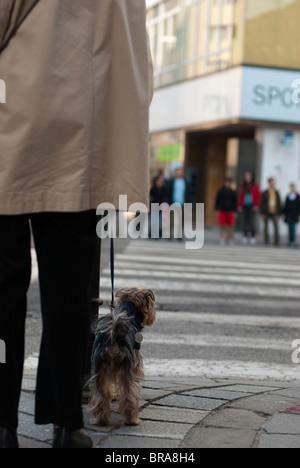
[(227, 86)]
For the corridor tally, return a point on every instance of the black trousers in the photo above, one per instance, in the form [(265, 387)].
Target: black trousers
[(249, 221), (65, 244)]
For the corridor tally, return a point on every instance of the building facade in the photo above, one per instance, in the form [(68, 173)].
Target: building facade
[(227, 91)]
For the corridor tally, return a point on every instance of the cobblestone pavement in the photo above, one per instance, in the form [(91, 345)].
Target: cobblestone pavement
[(195, 413)]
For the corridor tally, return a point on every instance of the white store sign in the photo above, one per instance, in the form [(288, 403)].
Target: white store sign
[(270, 94)]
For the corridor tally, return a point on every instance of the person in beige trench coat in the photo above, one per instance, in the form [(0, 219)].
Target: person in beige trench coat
[(73, 134)]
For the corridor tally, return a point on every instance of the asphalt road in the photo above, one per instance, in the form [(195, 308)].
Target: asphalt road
[(224, 312)]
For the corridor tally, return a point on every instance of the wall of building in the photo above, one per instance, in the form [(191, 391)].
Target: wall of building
[(211, 98), (272, 33), (238, 41), (280, 158)]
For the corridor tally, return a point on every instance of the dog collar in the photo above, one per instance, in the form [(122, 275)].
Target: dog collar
[(138, 341), (133, 312)]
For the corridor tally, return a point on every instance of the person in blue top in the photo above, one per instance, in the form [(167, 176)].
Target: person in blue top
[(179, 187), (179, 192)]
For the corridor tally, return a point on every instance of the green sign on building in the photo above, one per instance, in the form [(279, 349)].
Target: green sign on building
[(170, 153)]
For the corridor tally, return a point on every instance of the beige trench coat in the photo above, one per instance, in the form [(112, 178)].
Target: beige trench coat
[(74, 129)]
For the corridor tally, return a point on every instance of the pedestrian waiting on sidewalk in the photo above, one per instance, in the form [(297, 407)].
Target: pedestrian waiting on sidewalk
[(158, 196), (271, 210), (291, 213), (179, 192), (248, 205), (226, 208), (74, 149)]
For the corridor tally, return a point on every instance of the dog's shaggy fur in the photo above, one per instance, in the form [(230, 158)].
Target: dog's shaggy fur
[(117, 363)]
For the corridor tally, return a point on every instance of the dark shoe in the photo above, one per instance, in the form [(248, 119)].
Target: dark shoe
[(8, 439), (64, 438)]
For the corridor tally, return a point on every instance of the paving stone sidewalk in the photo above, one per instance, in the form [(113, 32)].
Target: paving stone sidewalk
[(189, 413)]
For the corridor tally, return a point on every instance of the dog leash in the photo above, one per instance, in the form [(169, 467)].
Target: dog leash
[(112, 273)]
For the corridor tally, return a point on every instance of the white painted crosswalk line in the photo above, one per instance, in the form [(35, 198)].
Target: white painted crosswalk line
[(34, 266), (31, 363), (202, 287), (211, 277), (210, 340), (227, 319), (249, 264), (221, 369), (163, 266)]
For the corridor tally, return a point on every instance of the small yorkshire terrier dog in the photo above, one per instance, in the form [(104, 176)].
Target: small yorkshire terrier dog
[(117, 363)]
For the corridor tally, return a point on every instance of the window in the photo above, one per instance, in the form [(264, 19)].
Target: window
[(163, 32), (190, 38)]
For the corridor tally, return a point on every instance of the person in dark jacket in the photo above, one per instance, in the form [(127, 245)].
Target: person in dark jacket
[(292, 213), (248, 205), (158, 192), (226, 207), (158, 195), (271, 209)]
